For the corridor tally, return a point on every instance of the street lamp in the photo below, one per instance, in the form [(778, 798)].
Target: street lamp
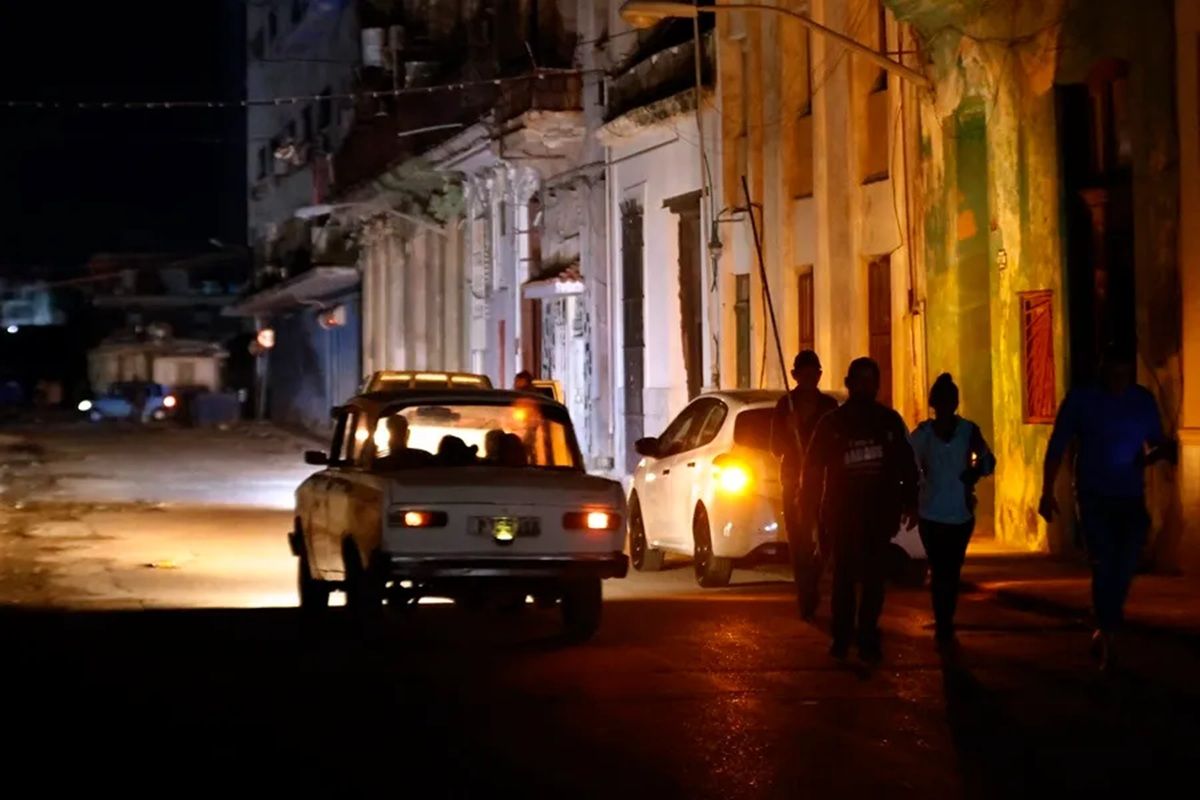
[(644, 13)]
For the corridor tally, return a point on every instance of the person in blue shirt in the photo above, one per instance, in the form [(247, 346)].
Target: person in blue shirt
[(1118, 432), (952, 457)]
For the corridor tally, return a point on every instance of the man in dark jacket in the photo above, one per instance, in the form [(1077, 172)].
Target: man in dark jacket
[(860, 483), (796, 417)]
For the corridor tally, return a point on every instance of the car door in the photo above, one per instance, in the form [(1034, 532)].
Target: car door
[(663, 476), (339, 516), (316, 521), (692, 465)]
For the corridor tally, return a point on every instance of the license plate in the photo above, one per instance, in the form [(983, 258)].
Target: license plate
[(505, 529)]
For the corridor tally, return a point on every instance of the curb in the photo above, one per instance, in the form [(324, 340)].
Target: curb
[(1022, 601)]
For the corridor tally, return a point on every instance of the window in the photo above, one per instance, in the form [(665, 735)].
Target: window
[(806, 312), (515, 434), (356, 446), (1037, 325), (741, 315), (881, 80), (806, 75), (879, 322), (752, 428), (674, 439), (710, 425), (258, 46), (341, 442)]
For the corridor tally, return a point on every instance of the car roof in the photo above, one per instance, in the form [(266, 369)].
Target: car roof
[(377, 401), (759, 398)]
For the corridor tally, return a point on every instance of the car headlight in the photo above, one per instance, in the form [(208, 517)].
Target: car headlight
[(591, 521), (85, 405), (169, 401)]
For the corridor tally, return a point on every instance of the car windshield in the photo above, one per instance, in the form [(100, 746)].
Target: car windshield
[(514, 434), (753, 428)]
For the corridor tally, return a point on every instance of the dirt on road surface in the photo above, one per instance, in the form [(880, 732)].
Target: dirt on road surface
[(122, 515)]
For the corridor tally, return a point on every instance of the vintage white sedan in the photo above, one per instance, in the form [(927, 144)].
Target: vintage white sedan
[(709, 488), (475, 495)]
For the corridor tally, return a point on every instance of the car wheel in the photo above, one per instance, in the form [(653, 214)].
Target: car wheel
[(364, 591), (581, 602), (644, 557), (711, 571), (314, 593)]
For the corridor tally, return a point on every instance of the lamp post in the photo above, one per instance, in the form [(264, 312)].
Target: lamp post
[(644, 13)]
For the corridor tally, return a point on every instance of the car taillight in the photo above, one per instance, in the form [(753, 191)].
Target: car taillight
[(416, 518), (732, 475), (591, 521)]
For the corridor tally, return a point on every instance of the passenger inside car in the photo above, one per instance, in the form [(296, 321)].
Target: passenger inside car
[(454, 452), (512, 451), (399, 455)]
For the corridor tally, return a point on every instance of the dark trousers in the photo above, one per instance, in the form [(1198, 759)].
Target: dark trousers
[(1114, 530), (859, 569), (946, 547), (808, 561)]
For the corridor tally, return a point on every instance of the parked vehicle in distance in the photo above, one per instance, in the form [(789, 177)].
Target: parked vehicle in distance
[(139, 401), (709, 488), (478, 496)]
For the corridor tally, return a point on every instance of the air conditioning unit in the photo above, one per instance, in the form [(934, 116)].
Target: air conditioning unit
[(372, 47)]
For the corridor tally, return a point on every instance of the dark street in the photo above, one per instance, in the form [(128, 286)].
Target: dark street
[(684, 692)]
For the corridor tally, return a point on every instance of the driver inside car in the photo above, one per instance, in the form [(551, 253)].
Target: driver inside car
[(400, 455)]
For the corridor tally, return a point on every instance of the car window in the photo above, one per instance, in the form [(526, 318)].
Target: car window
[(710, 425), (752, 428), (675, 438), (357, 444), (520, 433), (338, 445)]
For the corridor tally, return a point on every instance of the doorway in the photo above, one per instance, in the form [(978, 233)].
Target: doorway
[(633, 327), (686, 207), (1097, 181)]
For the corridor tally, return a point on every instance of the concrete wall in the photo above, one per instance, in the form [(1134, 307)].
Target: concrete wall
[(650, 178)]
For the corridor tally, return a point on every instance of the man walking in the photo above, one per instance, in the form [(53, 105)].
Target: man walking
[(796, 417), (1119, 432), (860, 482)]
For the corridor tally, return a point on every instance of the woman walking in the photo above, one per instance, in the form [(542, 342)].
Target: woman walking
[(952, 456)]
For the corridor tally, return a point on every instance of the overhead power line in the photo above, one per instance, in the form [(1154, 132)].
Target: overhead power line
[(146, 105)]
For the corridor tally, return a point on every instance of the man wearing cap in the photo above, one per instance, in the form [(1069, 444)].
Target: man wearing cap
[(796, 417)]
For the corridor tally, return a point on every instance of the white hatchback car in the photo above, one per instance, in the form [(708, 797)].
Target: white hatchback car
[(463, 493), (709, 488)]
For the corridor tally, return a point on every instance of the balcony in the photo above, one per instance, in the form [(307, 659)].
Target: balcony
[(655, 75), (547, 92)]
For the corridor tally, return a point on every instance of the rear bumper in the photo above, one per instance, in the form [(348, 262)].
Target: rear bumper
[(427, 567)]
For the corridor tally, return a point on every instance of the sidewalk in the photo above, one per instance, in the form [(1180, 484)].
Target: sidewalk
[(1158, 604)]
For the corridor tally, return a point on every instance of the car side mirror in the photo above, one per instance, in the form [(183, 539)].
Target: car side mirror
[(647, 446), (316, 458)]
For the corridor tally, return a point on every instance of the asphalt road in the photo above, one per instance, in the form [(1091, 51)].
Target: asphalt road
[(144, 647)]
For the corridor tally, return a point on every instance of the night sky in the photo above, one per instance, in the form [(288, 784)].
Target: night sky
[(77, 182)]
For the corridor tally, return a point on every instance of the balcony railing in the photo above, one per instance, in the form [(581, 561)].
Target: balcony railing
[(542, 92)]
